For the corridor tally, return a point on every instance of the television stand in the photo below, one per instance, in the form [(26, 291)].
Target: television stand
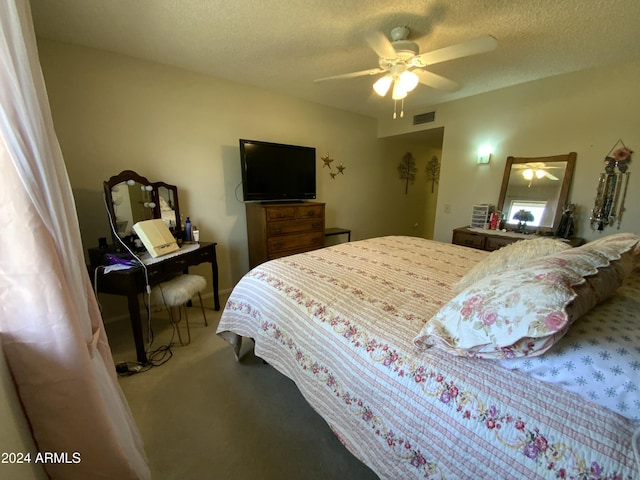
[(279, 229)]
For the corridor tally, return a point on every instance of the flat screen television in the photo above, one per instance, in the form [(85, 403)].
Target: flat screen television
[(277, 172)]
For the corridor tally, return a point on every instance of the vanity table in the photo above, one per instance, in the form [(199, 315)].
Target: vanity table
[(131, 198), (490, 240), (132, 281)]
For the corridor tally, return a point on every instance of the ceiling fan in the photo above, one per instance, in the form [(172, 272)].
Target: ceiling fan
[(404, 67)]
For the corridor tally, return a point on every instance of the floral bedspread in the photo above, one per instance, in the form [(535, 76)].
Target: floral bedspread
[(340, 323)]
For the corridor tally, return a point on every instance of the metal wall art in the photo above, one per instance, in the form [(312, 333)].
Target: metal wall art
[(433, 172), (327, 163), (407, 170), (612, 188)]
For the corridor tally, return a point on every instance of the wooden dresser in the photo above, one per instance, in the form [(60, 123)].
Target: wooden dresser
[(279, 229), (490, 240)]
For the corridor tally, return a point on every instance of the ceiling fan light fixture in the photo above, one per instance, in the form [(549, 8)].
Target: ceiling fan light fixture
[(382, 85), (540, 173), (408, 80), (527, 174), (398, 91)]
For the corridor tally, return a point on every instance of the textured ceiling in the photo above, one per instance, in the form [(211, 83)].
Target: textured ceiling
[(283, 45)]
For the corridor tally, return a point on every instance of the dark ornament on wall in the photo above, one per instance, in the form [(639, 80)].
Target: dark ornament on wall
[(433, 172), (407, 170)]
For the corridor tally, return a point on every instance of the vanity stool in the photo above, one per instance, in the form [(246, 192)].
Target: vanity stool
[(175, 294)]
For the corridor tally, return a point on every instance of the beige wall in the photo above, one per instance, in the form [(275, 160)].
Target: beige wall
[(113, 113), (585, 112)]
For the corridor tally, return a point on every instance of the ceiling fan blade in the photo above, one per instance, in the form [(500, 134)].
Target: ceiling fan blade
[(361, 73), (550, 177), (464, 49), (435, 81), (381, 45)]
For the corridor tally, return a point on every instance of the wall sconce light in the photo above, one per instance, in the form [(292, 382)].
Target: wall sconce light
[(484, 154)]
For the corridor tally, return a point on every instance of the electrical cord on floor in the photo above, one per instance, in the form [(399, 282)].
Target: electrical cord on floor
[(156, 357)]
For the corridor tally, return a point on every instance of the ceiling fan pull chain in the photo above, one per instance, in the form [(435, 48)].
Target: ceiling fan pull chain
[(402, 109), (395, 107)]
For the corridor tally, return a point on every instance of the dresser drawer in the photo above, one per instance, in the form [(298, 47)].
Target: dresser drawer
[(491, 240), (301, 242), (469, 240), (280, 213), (275, 229), (157, 272), (307, 211), (180, 263), (494, 243)]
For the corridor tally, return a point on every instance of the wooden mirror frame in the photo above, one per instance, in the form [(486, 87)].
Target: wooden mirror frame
[(570, 158), (108, 185), (157, 212)]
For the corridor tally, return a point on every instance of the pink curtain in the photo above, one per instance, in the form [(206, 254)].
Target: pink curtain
[(50, 327)]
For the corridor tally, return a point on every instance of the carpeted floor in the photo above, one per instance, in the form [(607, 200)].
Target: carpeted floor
[(202, 415)]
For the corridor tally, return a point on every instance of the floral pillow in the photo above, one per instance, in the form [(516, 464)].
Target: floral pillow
[(524, 311), (511, 256), (617, 241)]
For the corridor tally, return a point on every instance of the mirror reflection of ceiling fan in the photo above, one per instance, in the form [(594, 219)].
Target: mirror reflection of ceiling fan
[(539, 170), (404, 67)]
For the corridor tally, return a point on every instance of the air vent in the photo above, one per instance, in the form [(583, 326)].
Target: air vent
[(424, 118)]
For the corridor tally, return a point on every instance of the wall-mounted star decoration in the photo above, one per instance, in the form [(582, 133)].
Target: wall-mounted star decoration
[(327, 161)]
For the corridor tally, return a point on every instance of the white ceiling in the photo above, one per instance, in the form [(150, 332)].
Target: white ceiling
[(283, 45)]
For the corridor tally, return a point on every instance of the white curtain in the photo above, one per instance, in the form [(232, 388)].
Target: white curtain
[(50, 327)]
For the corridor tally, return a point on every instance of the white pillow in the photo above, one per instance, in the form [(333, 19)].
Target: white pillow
[(509, 257)]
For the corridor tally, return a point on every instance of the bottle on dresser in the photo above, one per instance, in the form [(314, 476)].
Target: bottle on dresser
[(187, 230)]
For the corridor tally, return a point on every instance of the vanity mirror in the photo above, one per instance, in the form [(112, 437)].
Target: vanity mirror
[(165, 197), (539, 185), (131, 198)]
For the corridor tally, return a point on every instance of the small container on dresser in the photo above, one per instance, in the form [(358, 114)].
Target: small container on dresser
[(480, 215), (279, 229)]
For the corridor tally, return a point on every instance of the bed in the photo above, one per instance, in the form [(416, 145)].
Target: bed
[(348, 325)]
